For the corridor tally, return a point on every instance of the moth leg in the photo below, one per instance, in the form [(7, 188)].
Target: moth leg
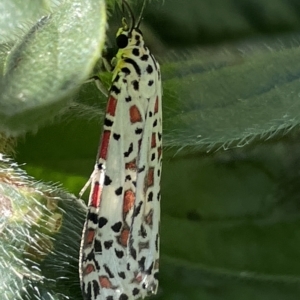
[(88, 183)]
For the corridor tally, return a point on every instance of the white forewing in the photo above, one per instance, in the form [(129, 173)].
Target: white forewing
[(120, 245)]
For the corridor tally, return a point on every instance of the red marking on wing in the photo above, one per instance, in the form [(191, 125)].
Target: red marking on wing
[(149, 218), (96, 195), (156, 106), (135, 115), (159, 152), (150, 177), (111, 106), (90, 234), (131, 165), (153, 140), (88, 269), (105, 282), (138, 278), (104, 144), (123, 238), (129, 199)]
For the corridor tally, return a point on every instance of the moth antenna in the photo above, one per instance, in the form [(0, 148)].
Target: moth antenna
[(141, 15), (125, 3)]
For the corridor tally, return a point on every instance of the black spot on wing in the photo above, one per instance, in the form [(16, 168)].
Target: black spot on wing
[(140, 170), (119, 254), (116, 136), (150, 196), (102, 222), (137, 209), (108, 122), (116, 227), (135, 291), (123, 297), (98, 247), (125, 70), (108, 271), (158, 196), (96, 288), (135, 85), (149, 69), (149, 270), (144, 57), (119, 191), (138, 131), (133, 252), (136, 52), (129, 151), (107, 180), (158, 172), (92, 217), (108, 244), (134, 64), (91, 256), (115, 89), (159, 136), (143, 232), (141, 263)]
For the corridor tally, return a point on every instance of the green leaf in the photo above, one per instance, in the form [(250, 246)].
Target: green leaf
[(40, 237), (46, 67), (229, 99), (15, 14)]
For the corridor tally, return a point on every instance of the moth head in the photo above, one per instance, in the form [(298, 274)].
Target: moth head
[(129, 36)]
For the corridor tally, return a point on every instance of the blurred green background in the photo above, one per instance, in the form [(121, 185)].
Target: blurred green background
[(230, 185)]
